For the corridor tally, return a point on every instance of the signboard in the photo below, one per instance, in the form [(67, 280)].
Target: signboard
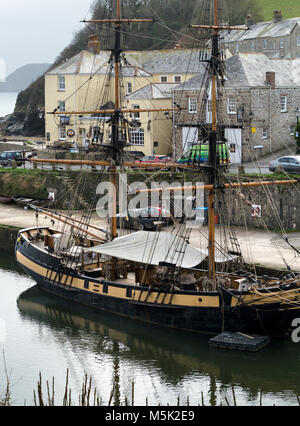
[(255, 210)]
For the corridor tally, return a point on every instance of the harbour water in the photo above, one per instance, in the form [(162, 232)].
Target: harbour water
[(7, 102), (42, 333)]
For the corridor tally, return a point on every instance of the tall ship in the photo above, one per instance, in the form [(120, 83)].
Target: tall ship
[(158, 276)]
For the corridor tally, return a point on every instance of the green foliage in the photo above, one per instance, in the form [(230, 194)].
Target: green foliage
[(289, 8)]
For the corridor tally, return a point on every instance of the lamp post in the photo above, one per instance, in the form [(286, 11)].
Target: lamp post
[(297, 112), (297, 136)]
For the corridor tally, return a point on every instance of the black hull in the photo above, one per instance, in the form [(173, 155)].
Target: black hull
[(267, 320)]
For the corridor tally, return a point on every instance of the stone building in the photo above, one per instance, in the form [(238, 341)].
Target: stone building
[(257, 106), (279, 38)]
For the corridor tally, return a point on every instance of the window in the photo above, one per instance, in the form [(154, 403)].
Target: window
[(281, 44), (237, 47), (283, 103), (298, 41), (129, 88), (265, 43), (61, 83), (163, 79), (292, 129), (231, 106), (265, 133), (177, 78), (136, 136), (252, 45), (136, 114), (192, 105), (62, 132), (61, 106)]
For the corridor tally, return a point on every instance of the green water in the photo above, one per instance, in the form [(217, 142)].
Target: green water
[(41, 333)]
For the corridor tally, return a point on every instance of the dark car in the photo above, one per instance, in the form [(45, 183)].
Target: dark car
[(149, 218), (289, 163), (7, 158)]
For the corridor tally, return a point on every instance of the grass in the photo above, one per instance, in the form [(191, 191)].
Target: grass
[(89, 396), (289, 8)]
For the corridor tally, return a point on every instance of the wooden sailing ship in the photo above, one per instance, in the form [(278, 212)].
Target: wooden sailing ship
[(157, 277)]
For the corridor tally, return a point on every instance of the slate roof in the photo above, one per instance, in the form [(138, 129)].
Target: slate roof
[(263, 30), (249, 70), (153, 91), (147, 62)]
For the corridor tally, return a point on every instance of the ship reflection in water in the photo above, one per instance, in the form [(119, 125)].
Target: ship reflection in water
[(163, 364)]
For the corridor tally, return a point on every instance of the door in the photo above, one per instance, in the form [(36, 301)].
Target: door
[(234, 143), (189, 137)]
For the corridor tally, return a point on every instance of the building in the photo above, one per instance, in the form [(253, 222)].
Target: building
[(79, 84), (257, 106), (279, 38)]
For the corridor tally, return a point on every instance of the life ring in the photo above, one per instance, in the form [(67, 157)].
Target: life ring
[(71, 133)]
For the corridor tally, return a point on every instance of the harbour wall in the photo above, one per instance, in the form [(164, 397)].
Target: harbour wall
[(278, 204)]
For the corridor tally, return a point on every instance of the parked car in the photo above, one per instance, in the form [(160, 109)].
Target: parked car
[(288, 163), (155, 159), (149, 218), (7, 158)]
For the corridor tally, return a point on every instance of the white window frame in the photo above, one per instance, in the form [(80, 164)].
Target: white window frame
[(164, 79), (192, 105), (128, 87), (137, 137), (292, 129), (62, 133), (265, 133), (62, 106), (61, 82), (136, 115), (231, 106), (281, 43), (283, 103), (177, 77)]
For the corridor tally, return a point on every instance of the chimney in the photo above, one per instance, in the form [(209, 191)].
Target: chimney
[(277, 16), (270, 79), (94, 44), (249, 21)]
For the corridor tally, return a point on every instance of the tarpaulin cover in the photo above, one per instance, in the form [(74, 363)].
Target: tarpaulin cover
[(155, 247)]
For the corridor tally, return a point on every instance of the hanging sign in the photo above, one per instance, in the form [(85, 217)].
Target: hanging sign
[(71, 133)]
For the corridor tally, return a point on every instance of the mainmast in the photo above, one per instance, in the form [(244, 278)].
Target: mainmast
[(215, 70)]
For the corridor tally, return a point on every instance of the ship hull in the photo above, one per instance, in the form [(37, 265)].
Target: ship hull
[(217, 312)]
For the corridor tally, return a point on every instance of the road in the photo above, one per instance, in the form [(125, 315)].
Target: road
[(258, 247)]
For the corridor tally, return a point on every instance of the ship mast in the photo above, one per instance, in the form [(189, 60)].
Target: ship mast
[(215, 71), (116, 136)]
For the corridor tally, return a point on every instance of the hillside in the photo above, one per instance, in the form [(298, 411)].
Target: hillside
[(289, 8), (22, 77)]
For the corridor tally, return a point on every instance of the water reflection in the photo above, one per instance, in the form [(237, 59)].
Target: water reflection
[(183, 363)]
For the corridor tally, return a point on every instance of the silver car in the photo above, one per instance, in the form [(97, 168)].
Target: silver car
[(289, 163)]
